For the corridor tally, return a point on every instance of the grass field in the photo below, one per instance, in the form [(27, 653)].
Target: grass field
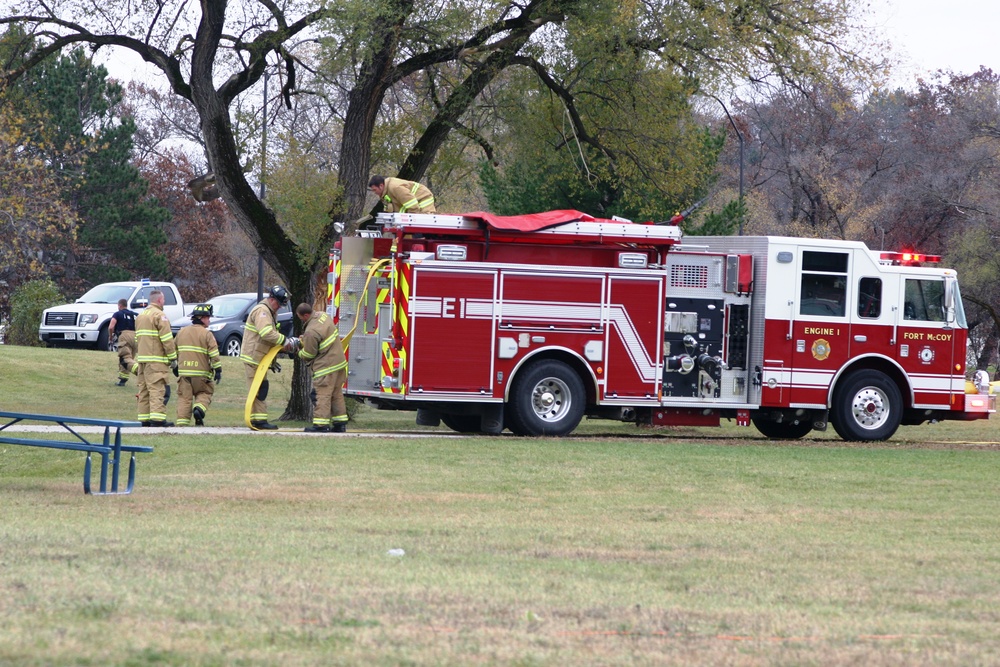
[(617, 547)]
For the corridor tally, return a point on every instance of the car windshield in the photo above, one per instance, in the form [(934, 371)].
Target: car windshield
[(231, 306), (106, 294)]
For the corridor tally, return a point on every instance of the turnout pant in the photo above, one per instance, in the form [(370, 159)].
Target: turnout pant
[(330, 406), (193, 392), (126, 353), (153, 379), (258, 413)]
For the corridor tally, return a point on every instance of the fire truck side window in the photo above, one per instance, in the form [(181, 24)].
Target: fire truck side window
[(824, 284), (924, 300), (870, 297)]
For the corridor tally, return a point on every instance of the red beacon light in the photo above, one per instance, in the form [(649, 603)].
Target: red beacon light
[(909, 258)]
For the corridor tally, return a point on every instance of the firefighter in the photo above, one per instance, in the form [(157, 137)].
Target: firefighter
[(123, 325), (198, 363), (401, 196), (156, 355), (321, 350), (259, 336)]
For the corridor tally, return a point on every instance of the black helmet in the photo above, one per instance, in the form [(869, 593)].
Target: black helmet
[(201, 310), (279, 294)]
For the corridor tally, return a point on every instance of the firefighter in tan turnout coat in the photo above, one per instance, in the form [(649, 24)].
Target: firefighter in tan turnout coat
[(402, 196), (259, 336), (155, 354), (321, 349), (199, 367)]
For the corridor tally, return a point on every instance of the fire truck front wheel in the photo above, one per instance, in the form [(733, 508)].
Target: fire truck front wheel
[(547, 398), (867, 406)]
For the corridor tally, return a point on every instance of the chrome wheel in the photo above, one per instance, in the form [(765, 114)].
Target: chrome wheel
[(551, 399), (870, 408)]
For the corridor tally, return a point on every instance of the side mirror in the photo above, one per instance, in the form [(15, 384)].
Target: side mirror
[(949, 300)]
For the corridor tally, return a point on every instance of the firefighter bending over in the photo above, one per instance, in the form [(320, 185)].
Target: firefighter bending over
[(123, 325), (399, 196), (199, 367), (156, 355), (323, 352), (260, 335)]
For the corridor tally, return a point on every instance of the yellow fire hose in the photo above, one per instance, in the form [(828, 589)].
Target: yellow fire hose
[(258, 379)]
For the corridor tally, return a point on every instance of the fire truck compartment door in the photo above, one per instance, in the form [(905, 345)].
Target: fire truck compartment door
[(927, 344), (450, 328)]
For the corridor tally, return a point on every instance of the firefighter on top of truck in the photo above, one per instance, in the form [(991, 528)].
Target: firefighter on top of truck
[(156, 354), (399, 196), (259, 336)]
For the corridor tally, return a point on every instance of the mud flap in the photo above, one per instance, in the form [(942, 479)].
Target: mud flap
[(492, 419)]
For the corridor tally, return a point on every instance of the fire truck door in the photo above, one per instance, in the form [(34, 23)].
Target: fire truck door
[(821, 328), (926, 342), (451, 331)]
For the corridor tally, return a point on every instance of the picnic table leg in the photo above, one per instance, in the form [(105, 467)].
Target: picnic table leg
[(118, 457), (86, 475)]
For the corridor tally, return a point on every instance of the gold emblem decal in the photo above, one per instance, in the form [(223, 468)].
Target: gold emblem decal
[(821, 349)]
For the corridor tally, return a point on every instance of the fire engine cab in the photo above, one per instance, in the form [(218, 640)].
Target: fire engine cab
[(531, 322)]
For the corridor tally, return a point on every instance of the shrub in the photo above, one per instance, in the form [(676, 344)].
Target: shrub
[(26, 306)]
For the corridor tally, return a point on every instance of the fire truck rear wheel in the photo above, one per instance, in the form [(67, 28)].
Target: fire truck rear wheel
[(867, 406), (789, 430), (547, 398)]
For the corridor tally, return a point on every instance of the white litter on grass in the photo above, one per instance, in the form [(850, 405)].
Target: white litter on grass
[(395, 553)]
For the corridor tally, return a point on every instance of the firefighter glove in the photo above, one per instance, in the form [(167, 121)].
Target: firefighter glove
[(218, 375), (275, 366), (173, 367)]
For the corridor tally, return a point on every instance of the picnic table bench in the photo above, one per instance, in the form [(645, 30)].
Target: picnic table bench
[(109, 448)]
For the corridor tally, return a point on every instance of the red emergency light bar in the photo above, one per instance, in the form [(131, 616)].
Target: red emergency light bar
[(909, 258)]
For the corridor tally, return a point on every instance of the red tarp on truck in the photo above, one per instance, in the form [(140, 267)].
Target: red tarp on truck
[(531, 222)]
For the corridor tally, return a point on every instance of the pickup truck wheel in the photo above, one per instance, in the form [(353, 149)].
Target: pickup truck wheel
[(233, 346), (547, 398), (866, 406), (103, 339)]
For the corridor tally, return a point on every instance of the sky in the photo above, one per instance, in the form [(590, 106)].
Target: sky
[(928, 35)]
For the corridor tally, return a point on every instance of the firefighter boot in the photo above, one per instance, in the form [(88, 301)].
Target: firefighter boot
[(339, 427), (160, 424), (199, 417), (318, 428), (121, 383), (264, 426)]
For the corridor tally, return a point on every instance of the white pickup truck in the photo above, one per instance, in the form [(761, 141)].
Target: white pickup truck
[(86, 321)]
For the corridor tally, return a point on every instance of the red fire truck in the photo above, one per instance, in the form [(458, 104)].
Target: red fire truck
[(531, 322)]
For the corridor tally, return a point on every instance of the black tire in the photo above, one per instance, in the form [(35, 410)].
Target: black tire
[(867, 406), (103, 339), (547, 398), (233, 346), (788, 430), (463, 423)]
